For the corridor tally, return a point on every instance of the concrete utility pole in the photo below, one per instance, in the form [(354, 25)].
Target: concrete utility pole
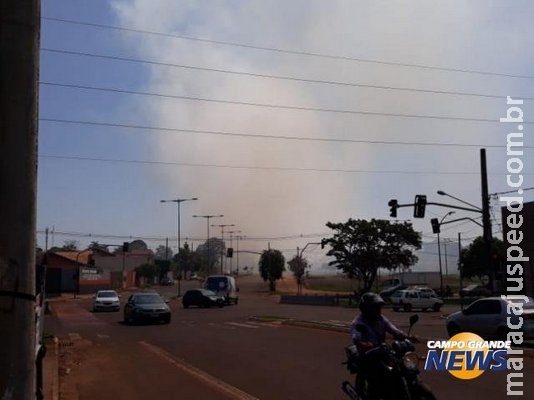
[(19, 70), (486, 220), (222, 226)]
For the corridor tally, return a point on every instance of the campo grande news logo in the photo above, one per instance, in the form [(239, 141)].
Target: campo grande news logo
[(466, 355)]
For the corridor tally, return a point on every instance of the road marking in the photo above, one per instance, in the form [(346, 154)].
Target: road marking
[(265, 324), (242, 325), (216, 383)]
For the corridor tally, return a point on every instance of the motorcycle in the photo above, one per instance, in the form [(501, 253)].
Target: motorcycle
[(396, 366)]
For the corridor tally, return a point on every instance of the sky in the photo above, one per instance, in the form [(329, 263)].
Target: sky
[(279, 115)]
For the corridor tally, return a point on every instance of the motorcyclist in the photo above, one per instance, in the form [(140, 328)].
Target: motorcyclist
[(368, 330)]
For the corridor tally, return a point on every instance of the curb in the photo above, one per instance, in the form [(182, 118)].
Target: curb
[(55, 374)]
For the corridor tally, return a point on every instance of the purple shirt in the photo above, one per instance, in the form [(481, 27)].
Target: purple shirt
[(373, 331)]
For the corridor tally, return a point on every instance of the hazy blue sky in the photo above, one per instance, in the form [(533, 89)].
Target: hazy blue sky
[(273, 187)]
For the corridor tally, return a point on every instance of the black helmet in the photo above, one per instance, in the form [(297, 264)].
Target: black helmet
[(370, 303)]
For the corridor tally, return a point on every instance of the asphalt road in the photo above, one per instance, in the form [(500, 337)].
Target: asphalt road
[(265, 360)]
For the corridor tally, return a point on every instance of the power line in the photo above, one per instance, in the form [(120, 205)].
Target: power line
[(267, 136), (280, 77), (192, 238), (287, 51), (275, 106), (245, 167)]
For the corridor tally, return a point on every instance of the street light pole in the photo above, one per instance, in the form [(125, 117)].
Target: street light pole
[(231, 245), (445, 244), (237, 252), (208, 217), (222, 226), (439, 254), (178, 202)]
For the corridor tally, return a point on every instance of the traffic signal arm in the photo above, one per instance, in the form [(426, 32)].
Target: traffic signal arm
[(462, 219), (455, 207)]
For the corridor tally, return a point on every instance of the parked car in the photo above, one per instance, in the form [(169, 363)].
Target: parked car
[(387, 293), (487, 318), (166, 282), (145, 307), (106, 300), (425, 289), (194, 277), (474, 291), (202, 298), (410, 299)]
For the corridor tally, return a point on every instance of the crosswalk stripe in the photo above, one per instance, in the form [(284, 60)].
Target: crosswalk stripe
[(242, 325)]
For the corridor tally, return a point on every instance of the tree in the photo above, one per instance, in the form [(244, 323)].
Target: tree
[(187, 260), (216, 247), (162, 267), (97, 246), (271, 265), (360, 247), (68, 245), (298, 266), (137, 245), (474, 258), (163, 253), (148, 271), (133, 245)]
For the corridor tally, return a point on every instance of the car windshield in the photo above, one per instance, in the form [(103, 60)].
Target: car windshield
[(106, 294), (214, 283), (148, 299)]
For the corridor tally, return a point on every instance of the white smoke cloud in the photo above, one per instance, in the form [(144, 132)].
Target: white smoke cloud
[(459, 34)]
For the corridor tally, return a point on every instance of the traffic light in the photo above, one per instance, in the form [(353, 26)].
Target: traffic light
[(229, 252), (394, 204), (125, 247), (435, 225), (419, 207)]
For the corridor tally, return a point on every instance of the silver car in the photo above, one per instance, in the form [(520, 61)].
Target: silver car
[(106, 300), (487, 318)]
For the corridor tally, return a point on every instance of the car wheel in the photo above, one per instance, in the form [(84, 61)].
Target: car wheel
[(167, 320), (407, 307), (395, 308), (424, 309), (235, 302), (452, 329), (186, 305), (436, 307)]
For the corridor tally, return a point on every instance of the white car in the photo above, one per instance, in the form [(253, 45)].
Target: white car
[(425, 289), (106, 300), (410, 299), (487, 318)]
